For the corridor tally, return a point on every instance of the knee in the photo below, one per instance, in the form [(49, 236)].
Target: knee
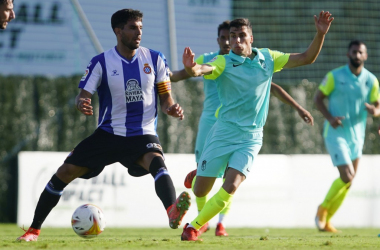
[(200, 192), (230, 187), (69, 172), (346, 178)]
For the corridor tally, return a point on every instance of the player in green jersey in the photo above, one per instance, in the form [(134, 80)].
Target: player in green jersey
[(353, 93)]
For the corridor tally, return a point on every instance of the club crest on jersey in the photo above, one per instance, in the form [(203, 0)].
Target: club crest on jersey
[(133, 92), (85, 75), (147, 69), (154, 145)]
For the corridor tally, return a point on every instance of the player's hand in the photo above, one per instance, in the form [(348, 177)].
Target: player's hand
[(323, 22), (175, 111), (379, 129), (188, 58), (84, 106), (336, 121), (371, 109), (306, 116)]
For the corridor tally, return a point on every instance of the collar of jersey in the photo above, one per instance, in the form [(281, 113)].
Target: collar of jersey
[(125, 59), (241, 59)]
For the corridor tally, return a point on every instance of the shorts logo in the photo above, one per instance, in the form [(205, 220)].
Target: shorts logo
[(154, 145), (133, 92), (85, 75), (203, 167), (147, 69)]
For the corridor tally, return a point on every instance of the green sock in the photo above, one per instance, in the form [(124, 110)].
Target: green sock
[(216, 204), (336, 189), (225, 211), (336, 204), (201, 201)]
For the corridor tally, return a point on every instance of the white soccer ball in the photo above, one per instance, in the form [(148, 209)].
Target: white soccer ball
[(88, 221)]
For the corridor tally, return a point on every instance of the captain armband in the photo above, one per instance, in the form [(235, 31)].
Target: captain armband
[(164, 87)]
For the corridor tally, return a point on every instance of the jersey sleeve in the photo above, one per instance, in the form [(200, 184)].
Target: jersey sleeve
[(162, 75), (327, 85), (200, 59), (92, 76), (374, 95), (218, 64), (279, 59)]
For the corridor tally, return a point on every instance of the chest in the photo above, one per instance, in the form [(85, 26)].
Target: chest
[(352, 87)]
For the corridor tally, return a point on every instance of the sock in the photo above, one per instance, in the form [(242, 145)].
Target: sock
[(201, 201), (162, 181), (337, 202), (48, 200), (216, 204), (336, 189), (225, 211)]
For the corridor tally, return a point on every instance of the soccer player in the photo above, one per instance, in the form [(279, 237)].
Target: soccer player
[(208, 119), (128, 79), (243, 79), (7, 13), (352, 92)]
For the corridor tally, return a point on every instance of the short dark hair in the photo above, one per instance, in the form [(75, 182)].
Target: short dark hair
[(2, 2), (239, 22), (355, 42), (121, 17), (223, 26)]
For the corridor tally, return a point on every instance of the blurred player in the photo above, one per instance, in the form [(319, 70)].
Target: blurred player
[(7, 13), (208, 119), (352, 92), (128, 79), (243, 79)]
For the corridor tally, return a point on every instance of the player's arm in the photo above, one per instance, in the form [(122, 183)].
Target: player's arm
[(374, 99), (178, 75), (83, 102), (193, 68), (322, 24), (169, 107), (284, 97)]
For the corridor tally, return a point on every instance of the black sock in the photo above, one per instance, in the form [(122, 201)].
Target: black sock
[(163, 183), (48, 200)]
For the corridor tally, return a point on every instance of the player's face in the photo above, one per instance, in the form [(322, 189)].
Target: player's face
[(130, 35), (241, 39), (6, 14), (357, 55), (224, 41)]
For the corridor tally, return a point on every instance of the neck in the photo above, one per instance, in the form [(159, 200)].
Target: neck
[(125, 51), (356, 71)]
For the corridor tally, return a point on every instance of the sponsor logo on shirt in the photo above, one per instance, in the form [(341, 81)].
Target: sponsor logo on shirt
[(147, 69), (133, 92), (85, 75), (212, 60), (114, 73), (235, 65)]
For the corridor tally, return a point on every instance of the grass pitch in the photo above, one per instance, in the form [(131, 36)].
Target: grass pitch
[(162, 238)]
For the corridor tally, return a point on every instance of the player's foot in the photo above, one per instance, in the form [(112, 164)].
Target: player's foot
[(190, 234), (220, 230), (30, 235), (320, 218), (204, 228), (178, 209), (189, 178), (330, 228)]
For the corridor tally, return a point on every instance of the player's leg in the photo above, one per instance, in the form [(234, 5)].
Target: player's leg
[(220, 227)]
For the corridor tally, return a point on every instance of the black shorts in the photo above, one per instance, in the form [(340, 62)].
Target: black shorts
[(102, 148)]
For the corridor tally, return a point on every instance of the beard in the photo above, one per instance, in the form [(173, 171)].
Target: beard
[(129, 45), (355, 64)]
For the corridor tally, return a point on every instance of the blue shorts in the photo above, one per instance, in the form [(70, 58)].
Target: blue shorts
[(343, 151), (204, 126), (229, 144)]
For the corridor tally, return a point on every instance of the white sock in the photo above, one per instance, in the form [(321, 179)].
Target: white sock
[(221, 218)]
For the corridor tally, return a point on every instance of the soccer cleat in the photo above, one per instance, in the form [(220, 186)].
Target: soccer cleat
[(178, 209), (320, 218), (30, 235), (204, 228), (220, 230), (189, 178), (330, 228), (190, 234)]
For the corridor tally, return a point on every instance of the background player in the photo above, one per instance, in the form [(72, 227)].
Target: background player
[(7, 13), (128, 79), (352, 92)]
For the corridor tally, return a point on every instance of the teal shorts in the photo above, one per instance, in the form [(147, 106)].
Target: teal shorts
[(229, 144), (204, 126), (343, 151)]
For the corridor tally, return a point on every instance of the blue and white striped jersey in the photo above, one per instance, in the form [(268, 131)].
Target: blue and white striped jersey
[(127, 90)]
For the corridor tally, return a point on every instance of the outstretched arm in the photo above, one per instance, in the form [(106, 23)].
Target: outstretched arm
[(178, 75), (169, 107), (322, 24), (191, 67), (83, 102), (284, 97), (318, 100)]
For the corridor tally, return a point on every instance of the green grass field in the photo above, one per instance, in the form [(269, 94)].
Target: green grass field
[(159, 238)]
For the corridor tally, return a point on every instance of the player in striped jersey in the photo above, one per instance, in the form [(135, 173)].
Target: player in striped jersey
[(128, 79)]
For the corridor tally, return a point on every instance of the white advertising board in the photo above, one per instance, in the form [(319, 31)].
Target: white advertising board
[(281, 191), (48, 37)]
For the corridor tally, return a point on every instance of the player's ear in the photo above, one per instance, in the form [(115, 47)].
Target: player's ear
[(117, 31), (252, 39)]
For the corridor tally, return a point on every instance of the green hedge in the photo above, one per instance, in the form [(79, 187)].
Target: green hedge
[(38, 114)]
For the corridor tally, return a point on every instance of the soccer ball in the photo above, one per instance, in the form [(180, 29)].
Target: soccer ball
[(88, 221)]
